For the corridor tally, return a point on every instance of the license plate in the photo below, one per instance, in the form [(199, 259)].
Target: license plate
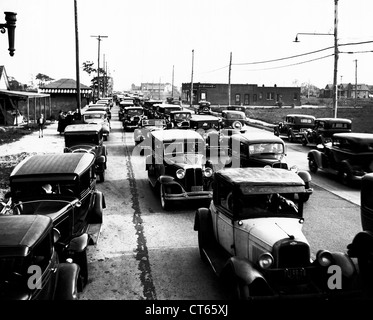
[(295, 274), (197, 188)]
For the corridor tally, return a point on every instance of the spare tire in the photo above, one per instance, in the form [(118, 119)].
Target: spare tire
[(237, 125)]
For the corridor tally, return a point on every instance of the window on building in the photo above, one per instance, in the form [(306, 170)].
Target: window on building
[(255, 97), (260, 95), (270, 96), (238, 98), (295, 96), (246, 100), (203, 95)]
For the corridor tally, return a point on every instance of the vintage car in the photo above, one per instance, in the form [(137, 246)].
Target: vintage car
[(236, 108), (88, 138), (132, 117), (149, 107), (142, 134), (251, 149), (124, 104), (294, 125), (204, 107), (29, 265), (204, 123), (349, 156), (63, 187), (177, 166), (98, 117), (179, 119), (163, 110), (100, 106), (251, 235), (233, 119), (324, 129)]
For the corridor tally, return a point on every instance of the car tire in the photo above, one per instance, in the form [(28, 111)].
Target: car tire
[(290, 137), (304, 141), (164, 203), (312, 165), (345, 175), (82, 261), (102, 176), (205, 233), (237, 290)]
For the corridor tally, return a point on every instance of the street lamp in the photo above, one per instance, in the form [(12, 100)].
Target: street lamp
[(336, 54), (99, 37), (10, 18)]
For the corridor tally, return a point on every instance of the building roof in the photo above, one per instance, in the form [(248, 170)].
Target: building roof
[(23, 95), (64, 85), (4, 83)]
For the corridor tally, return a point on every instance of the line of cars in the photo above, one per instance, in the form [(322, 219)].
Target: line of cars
[(335, 148), (54, 213)]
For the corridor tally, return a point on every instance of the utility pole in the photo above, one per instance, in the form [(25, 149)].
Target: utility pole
[(229, 80), (355, 81), (335, 88), (98, 64), (172, 86), (78, 96), (191, 82)]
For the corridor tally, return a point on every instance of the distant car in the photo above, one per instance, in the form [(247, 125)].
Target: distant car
[(233, 119), (98, 117), (236, 108), (142, 134), (163, 110), (294, 125), (179, 119), (204, 123), (349, 156), (177, 166), (204, 107), (250, 149), (30, 268), (251, 235), (132, 117), (323, 130), (122, 105), (102, 106), (88, 138), (63, 187), (149, 108)]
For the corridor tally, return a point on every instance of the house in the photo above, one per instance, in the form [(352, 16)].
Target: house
[(347, 90), (63, 95), (15, 105), (241, 94)]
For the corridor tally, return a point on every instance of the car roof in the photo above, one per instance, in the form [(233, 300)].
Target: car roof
[(180, 111), (258, 137), (204, 117), (175, 134), (262, 180), (355, 136), (83, 127), (298, 115), (56, 163), (20, 233), (334, 120), (133, 107), (232, 111), (94, 111)]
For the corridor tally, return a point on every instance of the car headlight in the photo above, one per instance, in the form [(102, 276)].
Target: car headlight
[(207, 172), (324, 258), (265, 260), (294, 168), (180, 173)]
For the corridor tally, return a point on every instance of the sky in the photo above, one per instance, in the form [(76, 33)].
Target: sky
[(176, 41)]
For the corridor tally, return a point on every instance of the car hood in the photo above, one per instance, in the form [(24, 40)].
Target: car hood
[(87, 147), (186, 161), (267, 231)]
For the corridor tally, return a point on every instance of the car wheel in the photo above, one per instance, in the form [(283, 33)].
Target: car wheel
[(82, 261), (164, 203), (102, 176), (304, 141), (345, 175), (237, 289), (205, 234), (290, 137), (312, 164)]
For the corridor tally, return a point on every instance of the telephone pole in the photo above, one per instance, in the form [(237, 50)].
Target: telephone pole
[(78, 96), (191, 82), (98, 64), (229, 80), (355, 81)]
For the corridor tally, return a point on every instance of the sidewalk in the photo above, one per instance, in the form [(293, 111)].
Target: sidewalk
[(52, 142)]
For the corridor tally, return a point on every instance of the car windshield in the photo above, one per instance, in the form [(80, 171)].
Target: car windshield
[(94, 117), (182, 116), (78, 139), (134, 112), (235, 116), (41, 189), (268, 205), (258, 149)]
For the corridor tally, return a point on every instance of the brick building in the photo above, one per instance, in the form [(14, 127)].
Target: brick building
[(241, 94)]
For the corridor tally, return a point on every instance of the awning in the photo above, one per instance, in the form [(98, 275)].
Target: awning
[(23, 94)]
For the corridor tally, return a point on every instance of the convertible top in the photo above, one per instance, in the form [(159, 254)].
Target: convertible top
[(254, 137), (176, 134), (262, 180)]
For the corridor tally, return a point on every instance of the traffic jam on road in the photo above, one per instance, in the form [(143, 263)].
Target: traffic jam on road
[(190, 204)]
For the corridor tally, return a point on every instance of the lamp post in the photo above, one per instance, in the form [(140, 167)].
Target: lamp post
[(10, 18), (336, 55)]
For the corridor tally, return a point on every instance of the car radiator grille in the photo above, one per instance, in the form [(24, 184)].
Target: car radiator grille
[(293, 254), (281, 165), (193, 179)]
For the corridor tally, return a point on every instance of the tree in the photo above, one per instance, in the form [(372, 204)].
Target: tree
[(88, 67), (15, 85), (43, 78)]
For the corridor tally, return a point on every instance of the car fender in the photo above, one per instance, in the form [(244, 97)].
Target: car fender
[(100, 159), (166, 179), (67, 282), (317, 156), (244, 270), (97, 212), (305, 175), (199, 213), (79, 244)]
